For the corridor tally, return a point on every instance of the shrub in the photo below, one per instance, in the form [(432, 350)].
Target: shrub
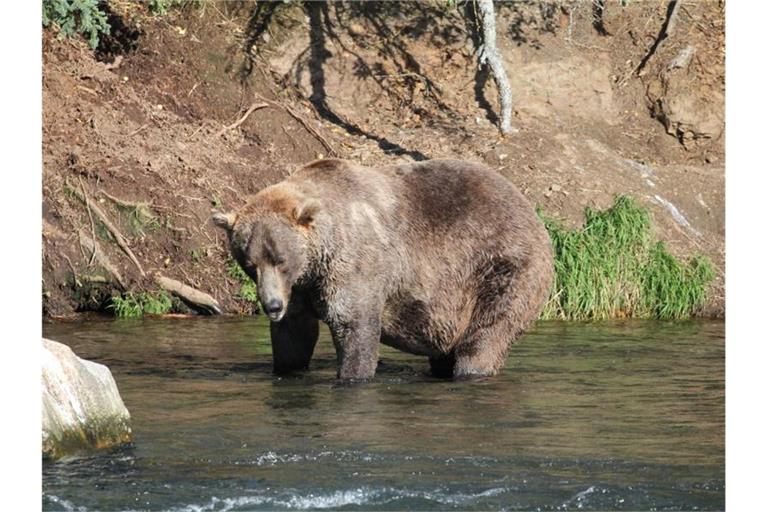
[(248, 291), (76, 17), (611, 267), (132, 305)]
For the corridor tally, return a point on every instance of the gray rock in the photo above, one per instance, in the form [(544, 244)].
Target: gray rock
[(82, 408)]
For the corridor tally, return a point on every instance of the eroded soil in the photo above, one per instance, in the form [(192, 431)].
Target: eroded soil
[(140, 126)]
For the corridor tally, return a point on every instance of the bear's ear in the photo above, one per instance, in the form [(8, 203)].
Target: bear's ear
[(224, 220), (304, 213)]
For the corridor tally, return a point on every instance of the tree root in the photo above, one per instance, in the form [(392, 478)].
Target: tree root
[(666, 30), (123, 202), (92, 246), (489, 54), (331, 152), (196, 299), (119, 238), (251, 109)]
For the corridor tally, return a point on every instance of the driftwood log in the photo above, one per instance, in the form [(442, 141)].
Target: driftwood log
[(196, 299)]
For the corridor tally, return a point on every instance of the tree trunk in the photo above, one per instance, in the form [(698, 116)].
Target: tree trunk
[(489, 54)]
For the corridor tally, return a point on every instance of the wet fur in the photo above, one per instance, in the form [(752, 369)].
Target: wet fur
[(442, 258)]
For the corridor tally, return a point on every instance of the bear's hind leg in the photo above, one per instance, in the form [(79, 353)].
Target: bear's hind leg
[(442, 367), (293, 342), (505, 304), (484, 351)]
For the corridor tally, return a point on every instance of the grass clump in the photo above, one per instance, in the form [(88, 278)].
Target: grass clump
[(140, 218), (161, 7), (248, 291), (611, 267), (76, 17), (133, 305)]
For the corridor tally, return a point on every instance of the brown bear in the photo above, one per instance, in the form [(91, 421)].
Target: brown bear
[(441, 258)]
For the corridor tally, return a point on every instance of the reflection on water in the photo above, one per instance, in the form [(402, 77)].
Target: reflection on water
[(624, 415)]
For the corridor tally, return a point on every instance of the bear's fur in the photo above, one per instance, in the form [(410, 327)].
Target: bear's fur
[(442, 258)]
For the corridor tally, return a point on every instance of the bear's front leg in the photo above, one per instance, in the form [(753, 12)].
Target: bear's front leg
[(357, 347), (293, 341)]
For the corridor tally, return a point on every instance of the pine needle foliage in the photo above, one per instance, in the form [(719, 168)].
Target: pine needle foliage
[(76, 17), (612, 268)]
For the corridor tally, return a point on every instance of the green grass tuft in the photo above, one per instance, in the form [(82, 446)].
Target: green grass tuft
[(612, 268), (248, 291), (161, 7), (133, 305), (138, 217)]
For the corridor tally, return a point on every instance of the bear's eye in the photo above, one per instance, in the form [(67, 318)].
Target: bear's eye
[(275, 260)]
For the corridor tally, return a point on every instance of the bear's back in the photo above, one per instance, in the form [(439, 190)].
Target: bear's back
[(432, 199)]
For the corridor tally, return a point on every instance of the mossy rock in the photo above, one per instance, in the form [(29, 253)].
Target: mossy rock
[(82, 408)]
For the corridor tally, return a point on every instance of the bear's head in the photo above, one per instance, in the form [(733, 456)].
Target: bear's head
[(270, 239)]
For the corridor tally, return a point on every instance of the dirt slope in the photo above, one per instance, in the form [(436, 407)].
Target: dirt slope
[(373, 82)]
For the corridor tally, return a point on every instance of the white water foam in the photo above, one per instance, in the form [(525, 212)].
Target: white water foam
[(361, 496), (66, 505)]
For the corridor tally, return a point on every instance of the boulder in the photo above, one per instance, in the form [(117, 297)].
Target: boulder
[(82, 408)]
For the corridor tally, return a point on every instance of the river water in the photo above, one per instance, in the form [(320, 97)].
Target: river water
[(618, 415)]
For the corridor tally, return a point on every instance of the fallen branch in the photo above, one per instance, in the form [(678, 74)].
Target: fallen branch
[(200, 301), (119, 238), (251, 109), (304, 123)]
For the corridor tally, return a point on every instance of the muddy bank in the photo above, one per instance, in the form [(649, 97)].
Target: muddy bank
[(153, 133)]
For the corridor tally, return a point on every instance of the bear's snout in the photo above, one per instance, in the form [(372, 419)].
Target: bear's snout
[(274, 309)]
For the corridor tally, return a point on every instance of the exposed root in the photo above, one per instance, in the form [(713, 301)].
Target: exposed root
[(251, 109), (489, 54), (119, 238), (137, 130), (196, 299), (666, 30), (91, 245), (72, 268), (90, 216), (123, 202), (331, 152)]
